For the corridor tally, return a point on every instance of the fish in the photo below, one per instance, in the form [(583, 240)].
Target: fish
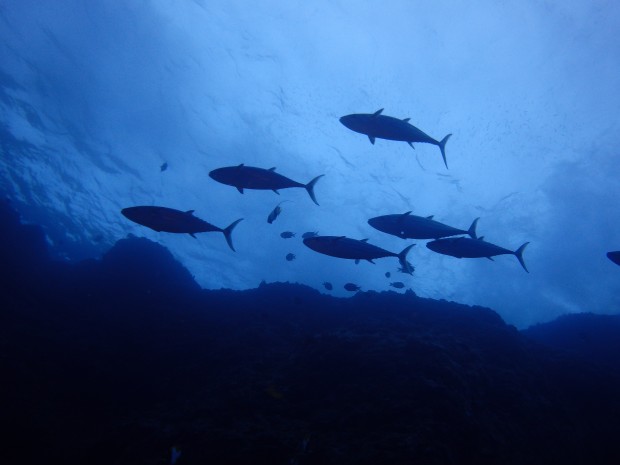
[(308, 234), (344, 247), (408, 226), (465, 247), (164, 219), (290, 257), (397, 284), (614, 257), (328, 286), (287, 234), (249, 177), (163, 167), (352, 287), (388, 274), (275, 213), (375, 125)]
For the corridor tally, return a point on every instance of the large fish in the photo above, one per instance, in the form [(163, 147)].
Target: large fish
[(614, 257), (464, 247), (387, 127), (408, 226), (249, 177), (353, 249), (175, 221)]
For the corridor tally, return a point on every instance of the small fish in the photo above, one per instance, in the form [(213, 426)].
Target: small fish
[(287, 235), (328, 286), (397, 284), (388, 274), (164, 166), (275, 213), (174, 455), (290, 257), (308, 234), (352, 287)]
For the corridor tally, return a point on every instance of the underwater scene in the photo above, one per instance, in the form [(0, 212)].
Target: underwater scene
[(332, 232)]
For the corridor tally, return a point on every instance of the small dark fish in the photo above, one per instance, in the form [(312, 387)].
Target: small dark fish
[(287, 234), (397, 284), (308, 234), (175, 221), (275, 213), (388, 274), (352, 287), (290, 257), (614, 257), (408, 226), (328, 286), (465, 247), (163, 167), (249, 177), (387, 127)]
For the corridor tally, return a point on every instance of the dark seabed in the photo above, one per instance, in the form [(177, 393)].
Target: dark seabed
[(115, 361)]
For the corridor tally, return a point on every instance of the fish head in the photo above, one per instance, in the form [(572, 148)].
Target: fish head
[(139, 214), (220, 175), (358, 122)]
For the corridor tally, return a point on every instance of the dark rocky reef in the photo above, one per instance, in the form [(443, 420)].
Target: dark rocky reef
[(114, 361)]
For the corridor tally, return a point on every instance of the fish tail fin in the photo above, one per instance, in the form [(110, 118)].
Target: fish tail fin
[(310, 187), (472, 229), (442, 147), (228, 233), (402, 259), (519, 255)]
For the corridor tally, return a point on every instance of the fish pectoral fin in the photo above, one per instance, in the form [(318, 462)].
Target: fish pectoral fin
[(192, 234), (240, 189), (370, 260), (377, 113), (411, 145), (275, 191), (491, 258), (371, 139), (357, 261)]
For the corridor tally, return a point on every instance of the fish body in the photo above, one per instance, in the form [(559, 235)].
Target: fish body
[(614, 257), (287, 234), (164, 166), (353, 249), (290, 257), (249, 177), (465, 247), (164, 219), (408, 226), (328, 286), (397, 285), (375, 125), (352, 287)]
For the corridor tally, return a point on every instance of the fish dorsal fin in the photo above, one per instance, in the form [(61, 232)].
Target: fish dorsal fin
[(357, 261), (406, 120), (241, 165), (430, 217), (272, 168), (406, 213), (190, 212), (377, 113), (481, 238), (364, 240), (240, 189)]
